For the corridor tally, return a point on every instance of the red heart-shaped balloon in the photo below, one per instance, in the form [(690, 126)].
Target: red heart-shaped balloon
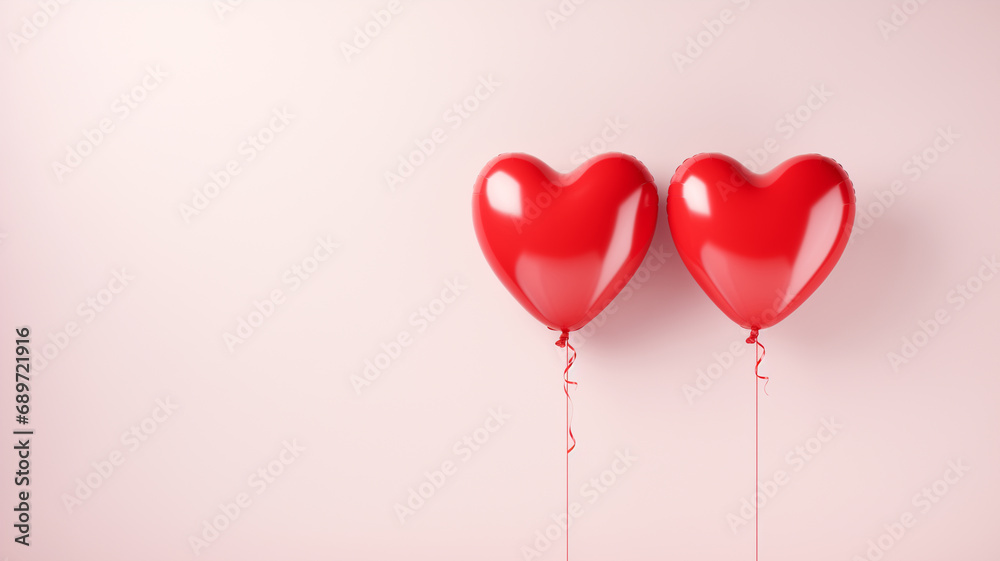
[(759, 245), (564, 245)]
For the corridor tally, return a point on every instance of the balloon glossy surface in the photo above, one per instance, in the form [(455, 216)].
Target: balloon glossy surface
[(564, 245), (759, 245)]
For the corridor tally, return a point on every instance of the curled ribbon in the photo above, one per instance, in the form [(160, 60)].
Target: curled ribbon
[(563, 342), (752, 340)]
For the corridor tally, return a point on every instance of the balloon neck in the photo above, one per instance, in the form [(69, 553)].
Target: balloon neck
[(752, 339), (563, 340)]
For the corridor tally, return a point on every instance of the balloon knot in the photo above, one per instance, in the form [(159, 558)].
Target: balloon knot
[(753, 336), (563, 340)]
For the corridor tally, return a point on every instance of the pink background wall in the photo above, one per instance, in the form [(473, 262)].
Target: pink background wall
[(606, 77)]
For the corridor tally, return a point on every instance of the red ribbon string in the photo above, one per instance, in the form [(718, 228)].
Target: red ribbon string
[(563, 342), (752, 340), (759, 356)]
